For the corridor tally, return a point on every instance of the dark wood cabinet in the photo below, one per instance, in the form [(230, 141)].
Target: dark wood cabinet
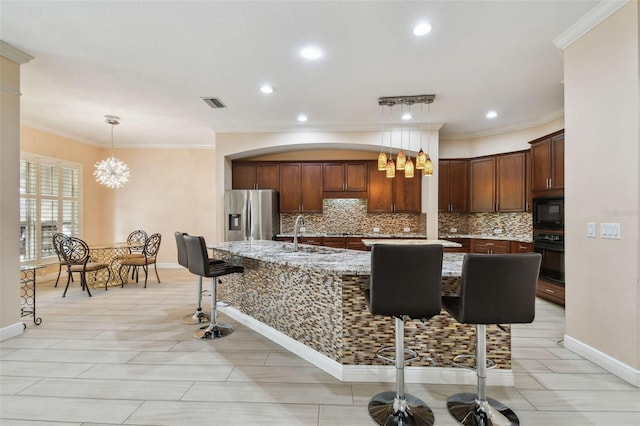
[(482, 185), (255, 176), (490, 246), (498, 183), (393, 195), (300, 191), (547, 163), (465, 242), (453, 185), (341, 180), (551, 292), (518, 247)]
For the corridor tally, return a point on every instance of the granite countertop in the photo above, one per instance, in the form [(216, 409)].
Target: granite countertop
[(317, 258), (372, 241), (518, 238), (338, 235)]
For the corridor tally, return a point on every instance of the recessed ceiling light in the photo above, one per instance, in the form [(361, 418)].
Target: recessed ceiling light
[(266, 89), (302, 117), (407, 116), (491, 114), (421, 29), (311, 52)]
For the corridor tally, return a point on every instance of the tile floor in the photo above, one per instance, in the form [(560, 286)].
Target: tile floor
[(123, 357)]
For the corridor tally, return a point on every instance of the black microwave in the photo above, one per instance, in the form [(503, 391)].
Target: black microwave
[(548, 213)]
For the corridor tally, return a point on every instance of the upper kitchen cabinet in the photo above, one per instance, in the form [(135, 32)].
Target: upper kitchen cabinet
[(255, 176), (300, 191), (344, 180), (498, 183), (547, 164), (453, 185), (393, 195)]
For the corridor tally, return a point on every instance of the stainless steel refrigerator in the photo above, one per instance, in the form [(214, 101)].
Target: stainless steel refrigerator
[(251, 214)]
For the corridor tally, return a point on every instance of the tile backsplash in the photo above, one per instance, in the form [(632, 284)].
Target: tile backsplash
[(350, 215), (511, 224)]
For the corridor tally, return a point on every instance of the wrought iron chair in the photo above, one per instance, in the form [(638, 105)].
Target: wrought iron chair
[(136, 237), (149, 253), (57, 240), (78, 258)]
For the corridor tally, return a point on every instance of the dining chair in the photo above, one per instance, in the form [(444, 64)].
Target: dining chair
[(77, 256), (136, 237), (57, 238), (149, 253)]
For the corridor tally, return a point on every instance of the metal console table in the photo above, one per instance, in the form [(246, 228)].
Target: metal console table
[(28, 292)]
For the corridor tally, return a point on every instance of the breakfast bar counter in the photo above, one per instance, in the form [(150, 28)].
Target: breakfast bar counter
[(311, 301)]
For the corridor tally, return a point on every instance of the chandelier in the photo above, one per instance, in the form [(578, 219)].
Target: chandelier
[(423, 162), (111, 172)]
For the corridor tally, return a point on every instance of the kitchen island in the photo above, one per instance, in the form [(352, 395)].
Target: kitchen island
[(312, 303)]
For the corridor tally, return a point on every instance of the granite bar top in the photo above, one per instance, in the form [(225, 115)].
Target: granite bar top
[(370, 242), (318, 258), (371, 235), (518, 238)]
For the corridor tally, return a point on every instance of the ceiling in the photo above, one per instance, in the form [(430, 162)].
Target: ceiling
[(151, 62)]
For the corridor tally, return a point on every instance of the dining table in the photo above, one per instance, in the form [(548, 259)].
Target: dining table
[(112, 254)]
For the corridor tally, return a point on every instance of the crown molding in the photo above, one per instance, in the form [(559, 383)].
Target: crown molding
[(599, 13), (14, 54)]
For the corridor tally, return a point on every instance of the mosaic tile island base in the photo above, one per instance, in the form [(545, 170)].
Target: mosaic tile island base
[(315, 296)]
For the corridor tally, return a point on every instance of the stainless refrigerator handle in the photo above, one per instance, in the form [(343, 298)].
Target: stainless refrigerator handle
[(247, 231)]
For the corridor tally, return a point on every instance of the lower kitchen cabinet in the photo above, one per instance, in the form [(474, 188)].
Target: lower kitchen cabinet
[(465, 242), (490, 246), (551, 292), (518, 247)]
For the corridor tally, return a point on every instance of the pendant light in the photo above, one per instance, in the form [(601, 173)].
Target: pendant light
[(401, 158), (408, 167), (421, 158), (111, 172), (382, 157), (428, 164), (390, 170)]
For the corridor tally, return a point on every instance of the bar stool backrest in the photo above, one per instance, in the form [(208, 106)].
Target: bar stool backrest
[(182, 249), (197, 255), (406, 280), (499, 288)]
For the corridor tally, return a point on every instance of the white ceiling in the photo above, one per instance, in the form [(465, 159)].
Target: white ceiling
[(150, 62)]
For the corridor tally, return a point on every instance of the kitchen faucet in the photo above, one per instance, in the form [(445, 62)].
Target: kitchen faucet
[(295, 232)]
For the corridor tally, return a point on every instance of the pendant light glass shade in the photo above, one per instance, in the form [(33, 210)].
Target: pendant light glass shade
[(428, 167), (390, 169), (382, 161), (421, 160), (111, 172), (401, 160), (408, 168)]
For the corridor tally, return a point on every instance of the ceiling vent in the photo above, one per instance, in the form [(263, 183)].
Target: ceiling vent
[(214, 103)]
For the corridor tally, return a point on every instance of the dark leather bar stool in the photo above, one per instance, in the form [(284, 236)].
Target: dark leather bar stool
[(200, 264), (405, 281), (198, 317), (494, 289)]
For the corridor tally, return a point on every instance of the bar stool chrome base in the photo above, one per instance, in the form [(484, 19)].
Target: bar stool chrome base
[(213, 331), (468, 410), (198, 317), (388, 410)]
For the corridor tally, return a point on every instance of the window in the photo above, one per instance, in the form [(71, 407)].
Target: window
[(49, 202)]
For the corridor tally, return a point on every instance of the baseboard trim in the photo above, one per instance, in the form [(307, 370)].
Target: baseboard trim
[(11, 331), (612, 365), (367, 373)]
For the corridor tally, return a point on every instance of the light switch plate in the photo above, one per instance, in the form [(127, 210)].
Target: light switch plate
[(376, 229), (610, 231), (407, 229), (302, 229), (591, 230), (497, 231), (453, 230)]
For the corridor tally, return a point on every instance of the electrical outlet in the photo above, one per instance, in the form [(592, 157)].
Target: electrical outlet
[(453, 230), (591, 230), (407, 229), (376, 229), (497, 231)]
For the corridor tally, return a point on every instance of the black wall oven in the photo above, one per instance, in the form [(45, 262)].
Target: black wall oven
[(551, 246)]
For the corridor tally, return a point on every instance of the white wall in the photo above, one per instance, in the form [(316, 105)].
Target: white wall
[(602, 183)]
